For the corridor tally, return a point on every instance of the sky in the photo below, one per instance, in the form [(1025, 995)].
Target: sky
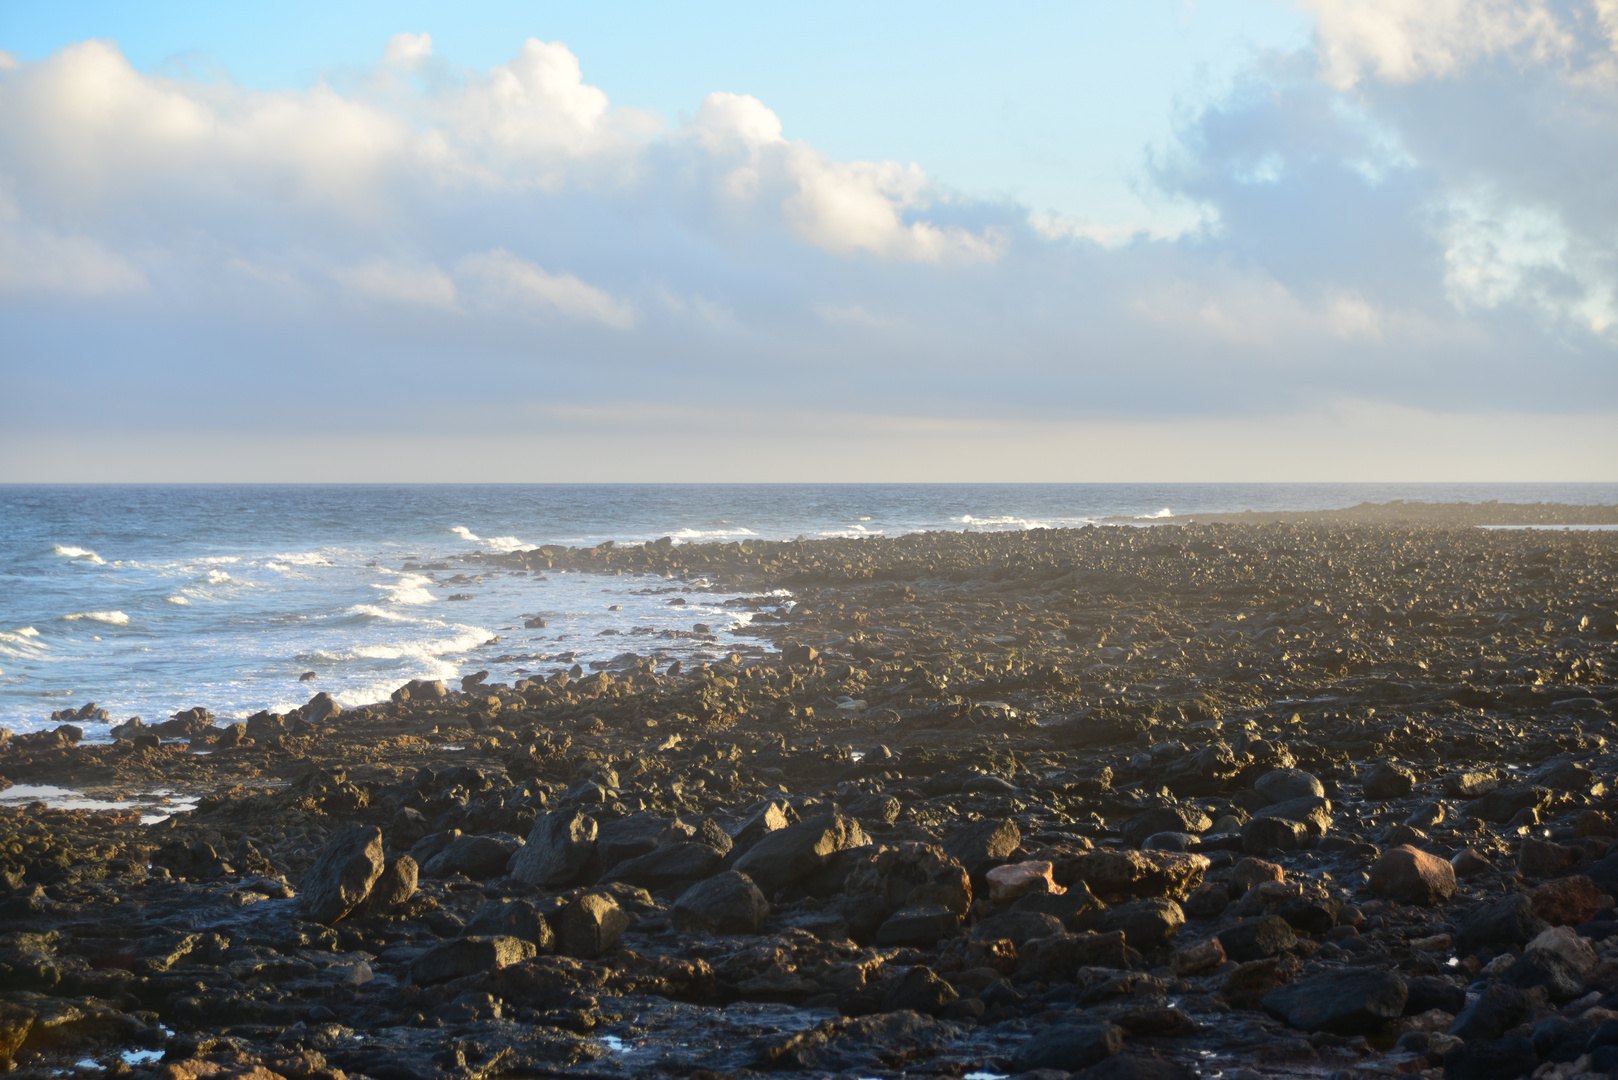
[(1248, 240)]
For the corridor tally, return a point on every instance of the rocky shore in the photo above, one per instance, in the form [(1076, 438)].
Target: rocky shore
[(1323, 797)]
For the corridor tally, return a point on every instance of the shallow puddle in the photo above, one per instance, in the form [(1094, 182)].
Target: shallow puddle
[(154, 806)]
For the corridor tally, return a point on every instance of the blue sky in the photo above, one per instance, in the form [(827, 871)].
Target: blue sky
[(1082, 241)]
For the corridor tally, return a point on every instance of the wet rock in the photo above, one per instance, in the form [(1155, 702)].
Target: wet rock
[(674, 866), (560, 849), (1500, 1059), (468, 956), (1284, 785), (1385, 780), (1257, 938), (591, 925), (1412, 876), (727, 903), (343, 874), (1145, 924), (1070, 1047), (1245, 986), (518, 919), (1545, 969), (1351, 1002), (1429, 992), (392, 890), (1198, 958), (919, 990), (798, 851), (478, 857), (1250, 872), (1497, 1009), (1137, 1067), (1508, 921)]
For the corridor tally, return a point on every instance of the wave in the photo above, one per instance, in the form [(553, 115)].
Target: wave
[(495, 543), (217, 577), (176, 599), (1163, 513), (22, 643), (427, 650), (115, 618), (409, 589), (704, 534), (361, 614), (299, 558), (76, 553)]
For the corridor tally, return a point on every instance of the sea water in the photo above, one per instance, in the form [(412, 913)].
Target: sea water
[(149, 599)]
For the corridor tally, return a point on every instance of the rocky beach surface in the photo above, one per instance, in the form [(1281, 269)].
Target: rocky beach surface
[(1306, 795)]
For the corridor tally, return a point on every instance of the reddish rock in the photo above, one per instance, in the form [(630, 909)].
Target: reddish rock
[(1249, 872), (1141, 873), (1412, 876), (1469, 862), (1203, 956), (1568, 901), (1018, 879)]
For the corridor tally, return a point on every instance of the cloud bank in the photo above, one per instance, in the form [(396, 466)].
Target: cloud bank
[(1412, 218)]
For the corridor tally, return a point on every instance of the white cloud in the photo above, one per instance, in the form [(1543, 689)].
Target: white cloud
[(408, 50), (403, 282), (1404, 40), (508, 280)]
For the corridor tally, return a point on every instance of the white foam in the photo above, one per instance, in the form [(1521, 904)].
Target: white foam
[(1163, 513), (409, 589), (86, 554), (427, 649), (303, 558), (705, 534), (177, 600), (115, 618), (217, 577), (370, 612), (495, 543), (464, 533), (27, 631)]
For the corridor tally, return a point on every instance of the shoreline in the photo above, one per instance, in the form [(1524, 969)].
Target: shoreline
[(1128, 707)]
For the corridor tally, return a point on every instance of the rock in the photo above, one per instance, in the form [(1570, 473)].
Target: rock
[(1145, 924), (982, 844), (1509, 921), (1283, 785), (727, 903), (1013, 880), (1469, 862), (1141, 873), (590, 926), (559, 850), (1498, 1008), (1136, 1067), (767, 818), (919, 990), (1257, 938), (796, 852), (1469, 784), (1070, 1047), (1351, 1002), (1195, 959), (1179, 818), (1501, 1059), (468, 956), (321, 707), (1385, 780), (1017, 927), (1504, 803), (343, 874), (627, 838), (1429, 992), (392, 890), (1263, 834), (1246, 986), (1412, 876), (674, 866), (478, 857), (912, 875), (1249, 872), (1546, 969), (15, 1023), (512, 918), (1056, 958), (1575, 950), (1542, 859), (1568, 901), (919, 926)]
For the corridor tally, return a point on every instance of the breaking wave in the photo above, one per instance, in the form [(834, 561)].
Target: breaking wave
[(78, 553), (114, 618)]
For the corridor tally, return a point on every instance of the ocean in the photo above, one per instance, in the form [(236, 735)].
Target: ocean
[(150, 599)]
